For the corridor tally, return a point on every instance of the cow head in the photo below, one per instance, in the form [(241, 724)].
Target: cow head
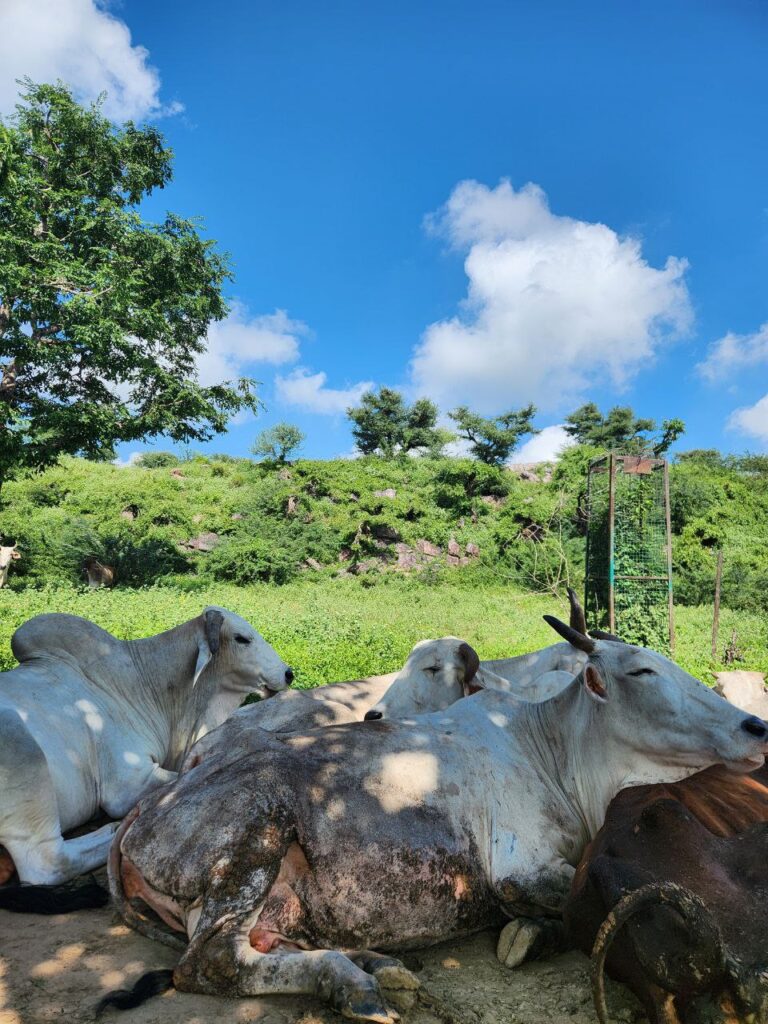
[(242, 659), (662, 714), (436, 674)]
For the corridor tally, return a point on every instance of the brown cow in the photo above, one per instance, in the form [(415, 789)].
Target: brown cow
[(681, 870), (99, 575)]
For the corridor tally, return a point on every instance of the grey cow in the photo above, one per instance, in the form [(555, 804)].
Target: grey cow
[(279, 872)]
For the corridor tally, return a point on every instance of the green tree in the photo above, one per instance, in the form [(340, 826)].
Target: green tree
[(492, 440), (383, 424), (278, 443), (620, 429), (101, 312)]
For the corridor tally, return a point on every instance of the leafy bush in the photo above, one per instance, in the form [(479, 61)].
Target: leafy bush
[(156, 460)]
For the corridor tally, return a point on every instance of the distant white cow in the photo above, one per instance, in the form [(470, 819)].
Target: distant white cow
[(90, 723), (7, 555)]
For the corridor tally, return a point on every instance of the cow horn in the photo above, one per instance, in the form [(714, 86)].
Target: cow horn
[(573, 636), (578, 619), (691, 908), (213, 623), (471, 661), (600, 634)]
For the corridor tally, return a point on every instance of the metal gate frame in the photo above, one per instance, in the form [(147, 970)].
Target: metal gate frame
[(630, 465)]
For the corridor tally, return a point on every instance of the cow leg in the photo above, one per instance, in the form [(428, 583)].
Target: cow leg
[(227, 964), (397, 983), (30, 828), (533, 899), (120, 796)]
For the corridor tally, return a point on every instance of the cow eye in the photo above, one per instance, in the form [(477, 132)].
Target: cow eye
[(642, 672), (432, 669), (239, 638)]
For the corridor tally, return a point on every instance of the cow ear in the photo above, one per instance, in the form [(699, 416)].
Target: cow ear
[(471, 663), (15, 555), (595, 685)]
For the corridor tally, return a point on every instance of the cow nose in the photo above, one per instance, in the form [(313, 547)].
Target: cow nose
[(289, 676), (755, 727), (373, 716)]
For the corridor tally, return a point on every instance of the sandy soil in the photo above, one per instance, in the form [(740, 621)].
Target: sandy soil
[(56, 968)]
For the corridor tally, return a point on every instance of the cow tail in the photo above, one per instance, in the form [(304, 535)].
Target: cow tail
[(686, 903), (153, 983), (53, 899)]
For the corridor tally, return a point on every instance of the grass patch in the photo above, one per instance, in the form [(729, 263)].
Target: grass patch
[(340, 629)]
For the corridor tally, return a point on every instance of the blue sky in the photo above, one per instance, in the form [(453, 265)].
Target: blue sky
[(367, 165)]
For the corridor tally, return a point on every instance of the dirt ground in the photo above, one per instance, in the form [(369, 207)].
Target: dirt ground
[(56, 968)]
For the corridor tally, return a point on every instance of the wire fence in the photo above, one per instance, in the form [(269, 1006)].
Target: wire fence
[(628, 571)]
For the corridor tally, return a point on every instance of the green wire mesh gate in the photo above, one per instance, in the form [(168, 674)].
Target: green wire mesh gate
[(629, 550)]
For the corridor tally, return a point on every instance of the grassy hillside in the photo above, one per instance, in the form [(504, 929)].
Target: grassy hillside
[(219, 520), (331, 630)]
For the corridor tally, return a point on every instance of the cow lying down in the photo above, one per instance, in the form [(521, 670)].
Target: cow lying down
[(281, 871), (683, 871), (90, 723), (436, 674)]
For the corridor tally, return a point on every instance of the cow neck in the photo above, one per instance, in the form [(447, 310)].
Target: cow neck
[(581, 762), (165, 665)]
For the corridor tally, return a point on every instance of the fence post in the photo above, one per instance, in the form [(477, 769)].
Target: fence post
[(716, 617)]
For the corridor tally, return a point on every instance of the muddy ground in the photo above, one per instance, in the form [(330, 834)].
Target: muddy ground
[(56, 968)]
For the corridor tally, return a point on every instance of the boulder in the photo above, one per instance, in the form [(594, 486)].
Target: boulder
[(453, 548), (428, 549), (204, 542), (389, 492), (312, 563), (472, 550), (407, 558)]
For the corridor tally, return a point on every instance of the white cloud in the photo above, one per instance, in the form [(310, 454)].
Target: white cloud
[(240, 340), (546, 446), (553, 304), (80, 42), (131, 460), (308, 391), (735, 352), (752, 420)]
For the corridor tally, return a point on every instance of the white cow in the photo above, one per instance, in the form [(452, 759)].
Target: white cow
[(89, 723), (396, 834), (7, 555), (436, 673)]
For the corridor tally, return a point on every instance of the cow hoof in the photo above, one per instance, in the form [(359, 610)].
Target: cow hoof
[(398, 985), (394, 976), (366, 1008), (517, 941)]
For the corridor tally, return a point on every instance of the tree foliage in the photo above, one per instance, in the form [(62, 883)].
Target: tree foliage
[(383, 424), (101, 313), (492, 440), (622, 430), (278, 443)]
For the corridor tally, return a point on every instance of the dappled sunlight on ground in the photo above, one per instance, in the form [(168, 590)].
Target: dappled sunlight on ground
[(56, 969)]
